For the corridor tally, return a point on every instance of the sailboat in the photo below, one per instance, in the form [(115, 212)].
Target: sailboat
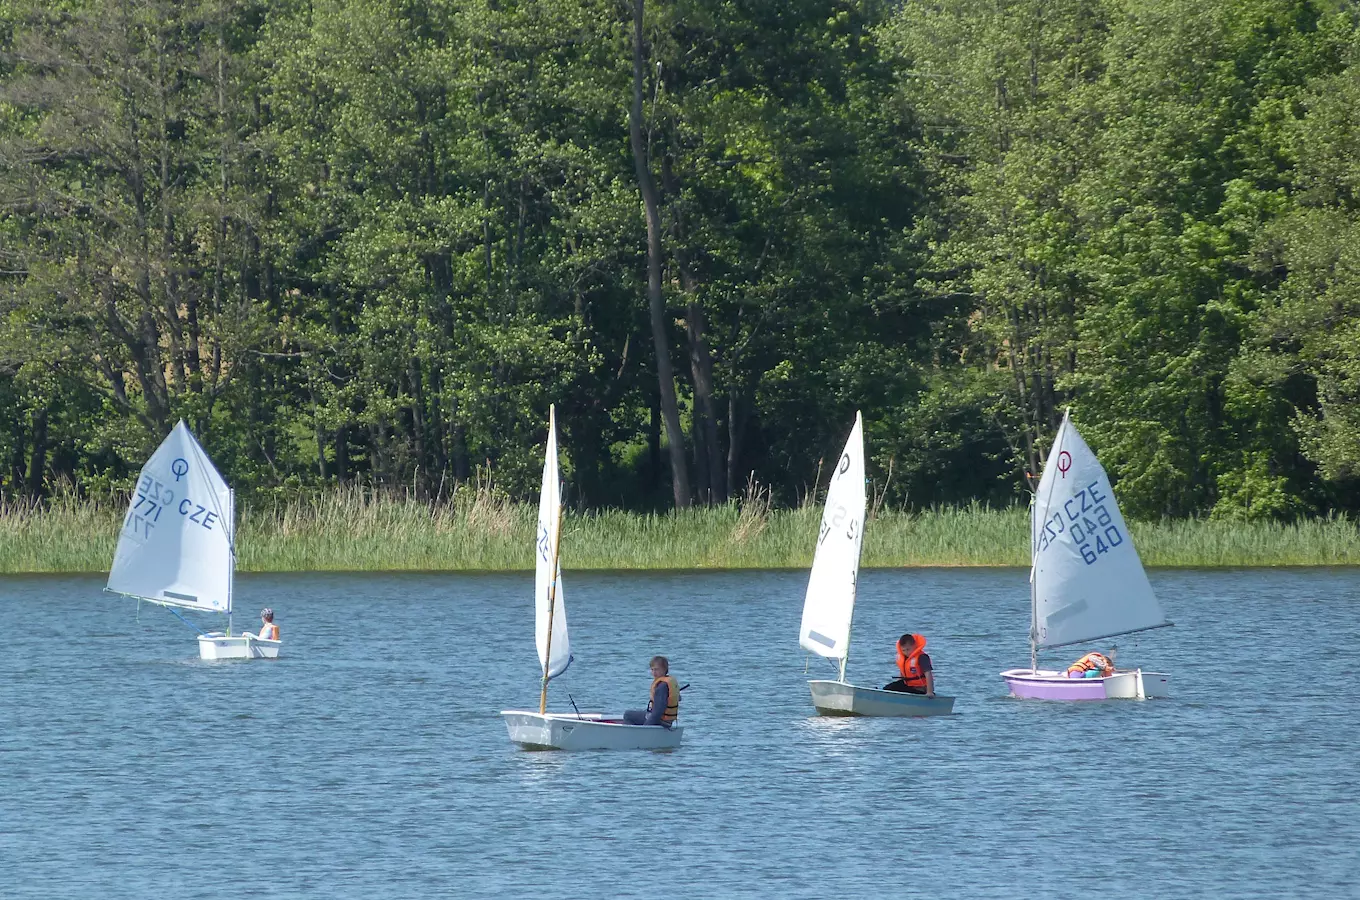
[(1086, 581), (829, 606), (543, 730), (178, 544)]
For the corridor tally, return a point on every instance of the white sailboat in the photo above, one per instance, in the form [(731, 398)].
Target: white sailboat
[(829, 607), (178, 543), (1087, 583), (543, 730)]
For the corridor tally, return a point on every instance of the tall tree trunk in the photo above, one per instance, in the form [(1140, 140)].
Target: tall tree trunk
[(708, 465), (37, 463), (342, 453), (707, 453), (654, 443), (736, 428), (670, 408), (418, 424)]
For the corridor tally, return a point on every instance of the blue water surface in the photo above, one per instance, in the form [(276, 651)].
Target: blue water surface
[(371, 761)]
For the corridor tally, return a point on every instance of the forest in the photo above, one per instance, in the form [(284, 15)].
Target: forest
[(369, 242)]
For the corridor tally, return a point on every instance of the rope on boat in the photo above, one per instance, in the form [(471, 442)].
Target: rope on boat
[(197, 630)]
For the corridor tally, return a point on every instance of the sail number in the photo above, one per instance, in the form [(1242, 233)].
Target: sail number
[(155, 497), (152, 499), (833, 520), (1087, 519), (543, 545)]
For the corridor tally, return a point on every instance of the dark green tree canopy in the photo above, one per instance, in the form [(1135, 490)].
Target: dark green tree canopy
[(373, 240)]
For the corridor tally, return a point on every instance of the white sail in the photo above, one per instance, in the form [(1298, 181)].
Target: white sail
[(547, 564), (1088, 580), (830, 602), (177, 546)]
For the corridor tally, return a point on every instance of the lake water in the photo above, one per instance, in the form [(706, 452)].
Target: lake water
[(371, 762)]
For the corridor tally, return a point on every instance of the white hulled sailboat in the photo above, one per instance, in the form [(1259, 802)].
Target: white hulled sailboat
[(829, 606), (178, 543), (543, 730)]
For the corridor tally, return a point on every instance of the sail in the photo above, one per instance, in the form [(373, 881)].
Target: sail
[(177, 546), (830, 601), (1088, 580), (547, 564)]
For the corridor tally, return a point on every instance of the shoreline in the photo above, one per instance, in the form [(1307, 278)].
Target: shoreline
[(353, 531)]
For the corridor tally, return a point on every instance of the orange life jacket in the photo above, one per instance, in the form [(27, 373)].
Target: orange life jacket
[(909, 664), (672, 699), (273, 631), (1092, 661)]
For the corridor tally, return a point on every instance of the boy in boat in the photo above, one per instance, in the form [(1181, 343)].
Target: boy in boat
[(918, 674), (663, 707), (1093, 665), (270, 631)]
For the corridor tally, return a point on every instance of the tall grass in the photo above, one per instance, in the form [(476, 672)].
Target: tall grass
[(353, 529)]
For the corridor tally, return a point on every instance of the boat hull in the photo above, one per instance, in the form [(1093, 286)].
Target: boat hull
[(1048, 684), (836, 698), (216, 645), (588, 731)]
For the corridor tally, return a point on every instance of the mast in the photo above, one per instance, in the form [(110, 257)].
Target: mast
[(846, 658), (849, 630), (1033, 595), (1033, 619), (231, 544), (552, 610), (1055, 452)]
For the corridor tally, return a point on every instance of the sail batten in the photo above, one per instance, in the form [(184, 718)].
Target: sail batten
[(548, 566), (829, 605), (177, 544), (1089, 583)]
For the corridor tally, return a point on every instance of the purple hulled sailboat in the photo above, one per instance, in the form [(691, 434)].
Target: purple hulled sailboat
[(1087, 583)]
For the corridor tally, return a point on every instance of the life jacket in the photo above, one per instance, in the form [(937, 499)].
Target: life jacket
[(270, 632), (1092, 661), (909, 664), (672, 699)]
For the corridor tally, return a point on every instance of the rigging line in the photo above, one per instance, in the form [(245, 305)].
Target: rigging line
[(196, 629)]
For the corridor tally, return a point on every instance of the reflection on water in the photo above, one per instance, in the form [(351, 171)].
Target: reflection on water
[(372, 762)]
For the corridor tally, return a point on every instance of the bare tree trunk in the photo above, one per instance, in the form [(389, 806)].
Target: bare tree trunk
[(38, 461), (707, 453), (708, 463), (342, 453), (418, 425), (736, 427), (670, 408), (654, 443)]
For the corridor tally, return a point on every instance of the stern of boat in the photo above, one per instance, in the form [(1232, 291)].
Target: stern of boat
[(1138, 685)]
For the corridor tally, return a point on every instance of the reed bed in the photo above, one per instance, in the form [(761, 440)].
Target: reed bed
[(353, 529)]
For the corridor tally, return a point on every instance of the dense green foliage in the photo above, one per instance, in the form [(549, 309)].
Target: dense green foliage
[(373, 240)]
